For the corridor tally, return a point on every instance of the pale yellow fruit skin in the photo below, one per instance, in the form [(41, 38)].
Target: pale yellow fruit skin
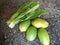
[(40, 23)]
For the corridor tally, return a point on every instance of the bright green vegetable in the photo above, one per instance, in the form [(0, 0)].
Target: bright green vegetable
[(24, 25), (43, 36), (31, 33), (33, 6), (40, 23)]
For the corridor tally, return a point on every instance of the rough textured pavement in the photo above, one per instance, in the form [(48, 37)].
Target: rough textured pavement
[(14, 36)]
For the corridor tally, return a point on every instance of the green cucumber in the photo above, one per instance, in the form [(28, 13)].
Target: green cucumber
[(31, 33), (24, 25), (43, 36)]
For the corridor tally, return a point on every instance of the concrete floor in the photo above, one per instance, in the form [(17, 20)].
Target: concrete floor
[(14, 36)]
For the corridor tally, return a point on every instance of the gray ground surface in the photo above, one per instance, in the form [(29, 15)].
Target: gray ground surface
[(14, 36)]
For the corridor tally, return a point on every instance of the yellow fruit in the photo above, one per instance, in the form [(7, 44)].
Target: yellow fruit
[(40, 23)]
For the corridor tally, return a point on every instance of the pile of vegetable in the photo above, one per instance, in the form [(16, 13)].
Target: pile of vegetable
[(30, 22)]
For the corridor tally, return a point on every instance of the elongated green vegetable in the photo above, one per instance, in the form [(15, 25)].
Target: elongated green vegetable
[(33, 6), (43, 36)]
